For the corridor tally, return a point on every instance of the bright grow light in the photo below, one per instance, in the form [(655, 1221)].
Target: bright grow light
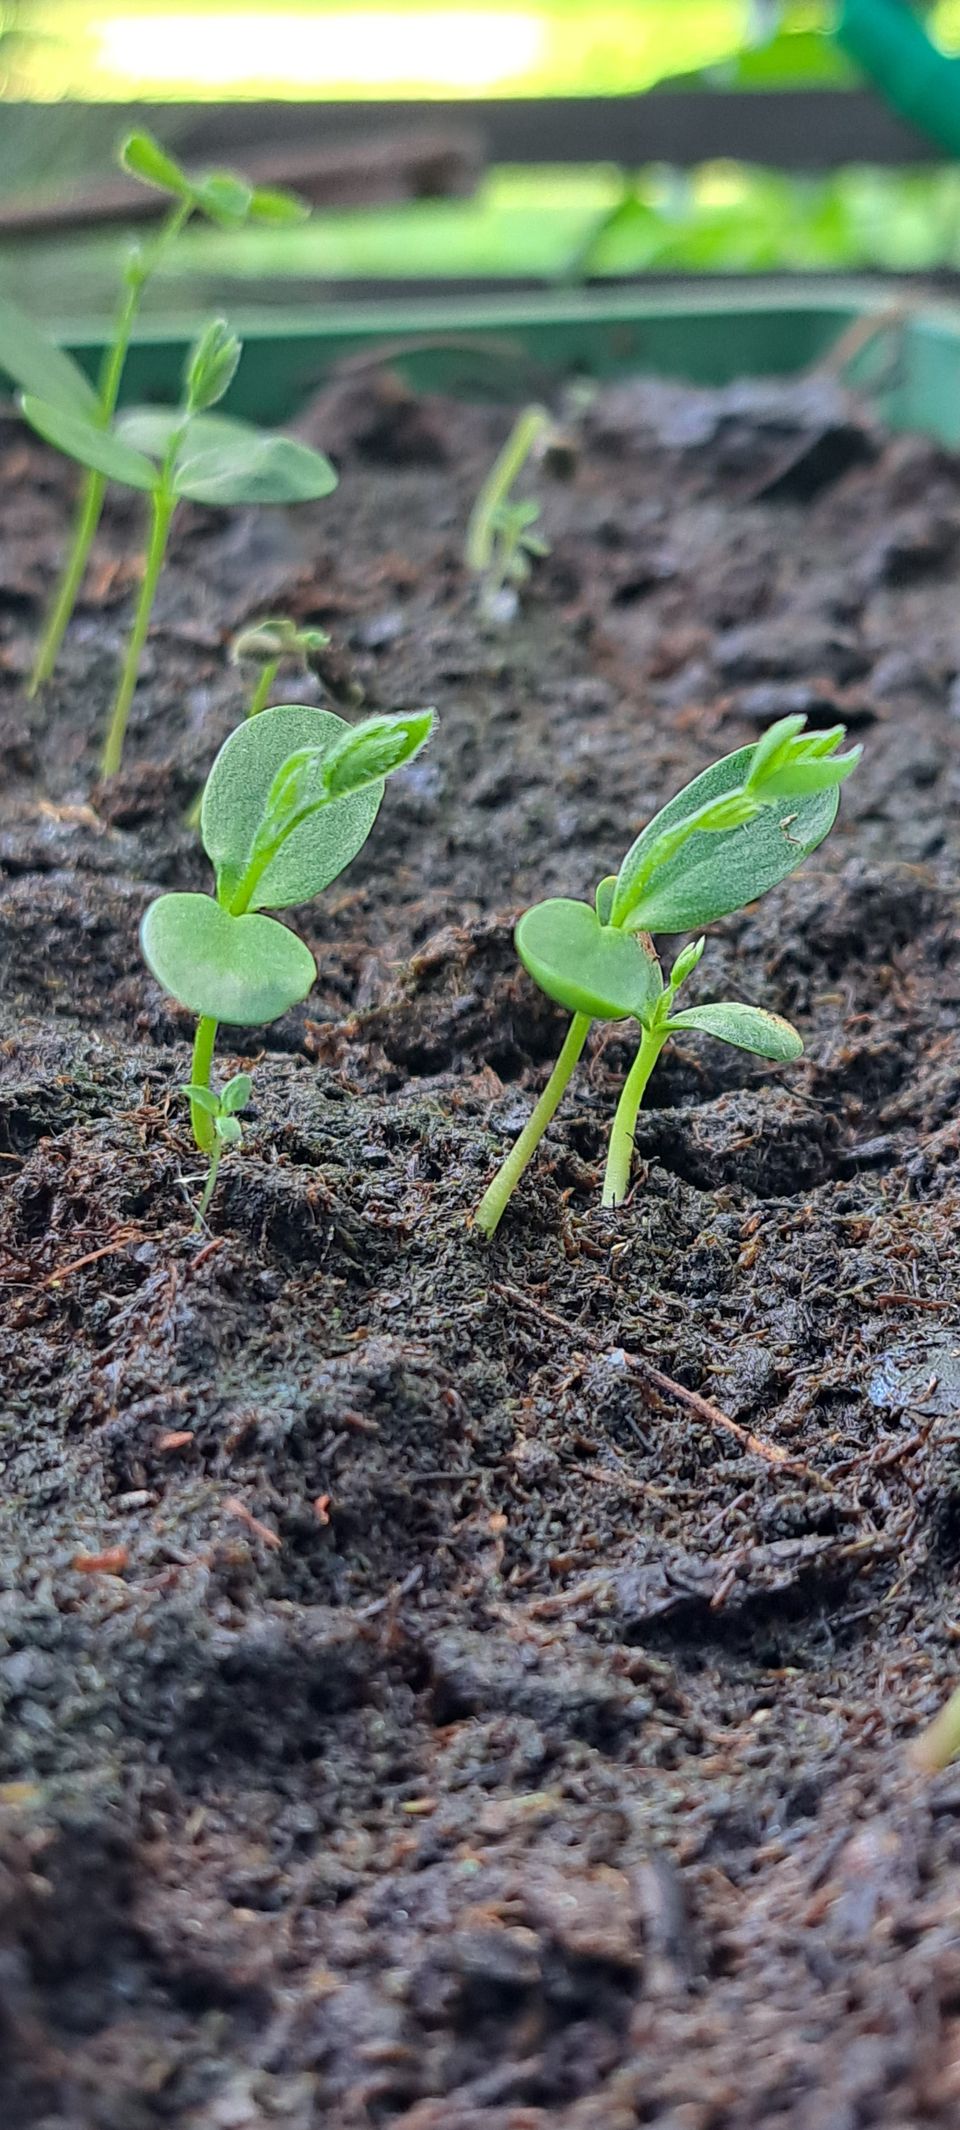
[(425, 48)]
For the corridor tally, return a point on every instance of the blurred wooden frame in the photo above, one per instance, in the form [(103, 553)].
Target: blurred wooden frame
[(370, 154)]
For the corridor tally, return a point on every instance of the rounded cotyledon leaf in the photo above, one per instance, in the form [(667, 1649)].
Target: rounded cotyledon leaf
[(241, 969), (236, 794), (255, 469), (768, 1035), (587, 966), (150, 429)]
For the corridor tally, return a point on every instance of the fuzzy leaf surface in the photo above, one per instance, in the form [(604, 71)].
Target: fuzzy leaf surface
[(241, 969), (721, 870), (255, 469), (745, 1027), (236, 795)]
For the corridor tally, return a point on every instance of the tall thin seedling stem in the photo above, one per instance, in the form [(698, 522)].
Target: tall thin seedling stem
[(163, 504), (261, 693), (616, 1182), (94, 488), (203, 1046), (494, 1201)]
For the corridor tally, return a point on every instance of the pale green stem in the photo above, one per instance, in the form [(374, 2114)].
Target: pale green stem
[(216, 1156), (203, 1042), (481, 527), (94, 486), (616, 1182), (495, 1200), (164, 505), (86, 521), (261, 692), (940, 1742)]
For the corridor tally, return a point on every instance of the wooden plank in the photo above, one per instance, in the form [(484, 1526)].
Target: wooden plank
[(371, 170), (790, 129)]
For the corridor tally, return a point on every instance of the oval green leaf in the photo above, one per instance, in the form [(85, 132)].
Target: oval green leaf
[(81, 440), (745, 1027), (150, 429), (587, 966), (256, 469), (32, 360), (144, 158), (236, 794), (280, 210), (718, 870), (241, 969)]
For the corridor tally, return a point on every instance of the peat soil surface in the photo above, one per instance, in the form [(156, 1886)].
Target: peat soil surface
[(417, 1711)]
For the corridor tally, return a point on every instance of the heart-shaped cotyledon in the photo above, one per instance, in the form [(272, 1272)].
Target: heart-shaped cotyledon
[(587, 966)]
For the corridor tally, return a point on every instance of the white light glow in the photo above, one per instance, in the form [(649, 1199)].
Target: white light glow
[(472, 48)]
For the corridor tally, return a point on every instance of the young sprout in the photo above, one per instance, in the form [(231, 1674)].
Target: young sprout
[(737, 830), (291, 797), (177, 453), (269, 645), (939, 1744), (221, 1109), (500, 537), (36, 364)]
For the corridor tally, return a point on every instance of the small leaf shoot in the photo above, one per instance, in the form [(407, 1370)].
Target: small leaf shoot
[(44, 372), (290, 800), (188, 453), (745, 824), (268, 645), (501, 540)]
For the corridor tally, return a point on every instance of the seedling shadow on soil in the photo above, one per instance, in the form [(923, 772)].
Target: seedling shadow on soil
[(453, 1685)]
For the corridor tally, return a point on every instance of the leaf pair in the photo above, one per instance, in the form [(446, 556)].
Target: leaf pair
[(728, 837), (593, 969), (220, 461), (299, 789), (220, 195)]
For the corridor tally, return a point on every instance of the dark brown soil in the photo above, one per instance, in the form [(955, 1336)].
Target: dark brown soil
[(417, 1714)]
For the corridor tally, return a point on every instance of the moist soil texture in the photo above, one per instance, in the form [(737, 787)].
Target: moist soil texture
[(463, 1686)]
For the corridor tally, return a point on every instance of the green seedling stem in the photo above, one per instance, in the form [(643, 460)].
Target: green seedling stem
[(140, 269), (496, 1198), (616, 1182), (500, 533), (163, 503)]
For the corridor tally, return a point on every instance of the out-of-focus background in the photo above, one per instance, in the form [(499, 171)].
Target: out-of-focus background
[(519, 141)]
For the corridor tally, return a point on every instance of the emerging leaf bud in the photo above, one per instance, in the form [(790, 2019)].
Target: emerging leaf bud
[(685, 963), (372, 750), (211, 365)]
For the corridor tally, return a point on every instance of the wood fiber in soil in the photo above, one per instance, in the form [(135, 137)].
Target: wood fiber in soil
[(413, 1716)]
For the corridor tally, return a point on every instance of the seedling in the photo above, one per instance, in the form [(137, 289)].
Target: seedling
[(737, 830), (501, 540), (269, 645), (39, 367), (227, 1131), (176, 453), (291, 797)]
